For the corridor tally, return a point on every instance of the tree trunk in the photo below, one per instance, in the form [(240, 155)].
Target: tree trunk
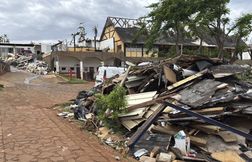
[(220, 53), (241, 55), (177, 45), (220, 38), (200, 47), (250, 54), (177, 40), (95, 43)]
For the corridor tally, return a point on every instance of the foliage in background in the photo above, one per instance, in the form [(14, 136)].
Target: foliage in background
[(196, 19), (247, 76), (110, 106), (169, 17), (242, 31)]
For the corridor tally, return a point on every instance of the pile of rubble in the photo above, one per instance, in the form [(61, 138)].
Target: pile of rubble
[(189, 108), (27, 62), (4, 67)]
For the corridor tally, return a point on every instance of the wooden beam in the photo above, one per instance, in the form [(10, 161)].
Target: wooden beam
[(186, 80), (171, 130), (140, 131), (198, 141), (205, 111), (209, 129), (227, 136), (149, 103)]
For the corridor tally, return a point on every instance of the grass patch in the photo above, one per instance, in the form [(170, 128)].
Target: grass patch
[(246, 76), (73, 80), (76, 81)]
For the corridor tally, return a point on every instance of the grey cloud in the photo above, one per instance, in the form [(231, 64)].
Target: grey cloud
[(53, 20)]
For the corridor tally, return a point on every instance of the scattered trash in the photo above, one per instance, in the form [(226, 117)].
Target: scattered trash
[(4, 67), (140, 153), (117, 158), (174, 110), (27, 62)]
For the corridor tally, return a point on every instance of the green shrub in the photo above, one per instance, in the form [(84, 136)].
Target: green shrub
[(110, 106)]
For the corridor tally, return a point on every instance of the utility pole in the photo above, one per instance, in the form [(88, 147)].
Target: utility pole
[(74, 35)]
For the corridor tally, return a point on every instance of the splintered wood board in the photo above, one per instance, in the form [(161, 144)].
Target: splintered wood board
[(227, 156)]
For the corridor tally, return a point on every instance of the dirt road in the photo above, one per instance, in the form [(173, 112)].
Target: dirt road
[(32, 132)]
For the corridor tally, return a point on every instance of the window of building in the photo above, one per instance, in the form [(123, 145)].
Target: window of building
[(86, 69), (63, 68), (10, 50), (72, 68)]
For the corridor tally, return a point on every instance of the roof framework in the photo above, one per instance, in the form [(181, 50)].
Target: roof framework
[(121, 22)]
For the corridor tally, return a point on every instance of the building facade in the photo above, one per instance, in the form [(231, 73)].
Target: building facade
[(15, 48)]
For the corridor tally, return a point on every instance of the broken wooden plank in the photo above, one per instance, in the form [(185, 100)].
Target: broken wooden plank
[(198, 141), (155, 151), (125, 76), (209, 129), (169, 74), (186, 80), (246, 155), (227, 156), (211, 121), (205, 111), (170, 130), (140, 131), (148, 103), (187, 158), (227, 136)]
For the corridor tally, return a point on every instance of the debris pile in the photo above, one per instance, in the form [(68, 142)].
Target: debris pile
[(190, 108), (28, 63), (4, 67)]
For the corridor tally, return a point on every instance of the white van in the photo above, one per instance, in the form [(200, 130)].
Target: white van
[(107, 72)]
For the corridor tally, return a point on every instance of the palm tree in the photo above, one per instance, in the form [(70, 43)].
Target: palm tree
[(95, 29)]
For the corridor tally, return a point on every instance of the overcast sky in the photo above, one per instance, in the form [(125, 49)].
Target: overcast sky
[(52, 20)]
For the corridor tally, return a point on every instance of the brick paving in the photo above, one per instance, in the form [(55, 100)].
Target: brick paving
[(30, 131)]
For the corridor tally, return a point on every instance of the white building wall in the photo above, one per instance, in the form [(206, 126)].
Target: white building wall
[(46, 48), (4, 49), (4, 52), (109, 43), (91, 62), (65, 63)]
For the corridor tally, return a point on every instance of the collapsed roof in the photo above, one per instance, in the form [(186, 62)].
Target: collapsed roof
[(128, 32)]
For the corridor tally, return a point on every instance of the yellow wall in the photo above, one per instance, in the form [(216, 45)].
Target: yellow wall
[(137, 52), (111, 33), (134, 51)]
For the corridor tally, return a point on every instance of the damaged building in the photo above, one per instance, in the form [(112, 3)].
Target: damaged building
[(119, 42)]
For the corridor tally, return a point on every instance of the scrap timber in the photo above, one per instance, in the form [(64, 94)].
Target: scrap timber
[(189, 108)]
